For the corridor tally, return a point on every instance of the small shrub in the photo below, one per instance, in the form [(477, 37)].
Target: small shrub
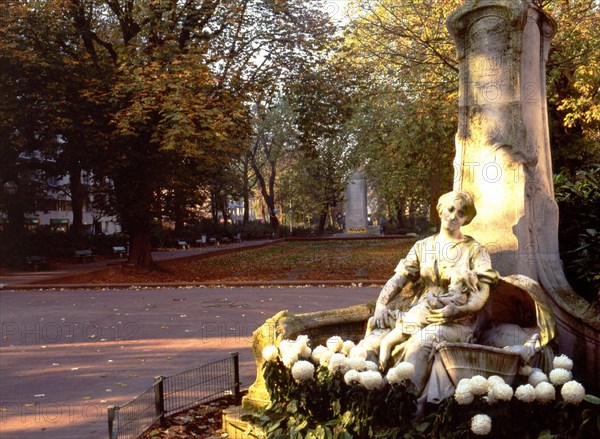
[(579, 233)]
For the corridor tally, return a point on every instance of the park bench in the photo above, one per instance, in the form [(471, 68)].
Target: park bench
[(36, 262), (84, 256), (225, 240), (212, 241), (120, 250), (183, 244), (201, 242)]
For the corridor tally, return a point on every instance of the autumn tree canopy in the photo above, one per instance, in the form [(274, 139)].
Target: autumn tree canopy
[(168, 81), (167, 103)]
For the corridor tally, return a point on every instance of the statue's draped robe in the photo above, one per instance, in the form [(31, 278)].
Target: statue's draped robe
[(432, 264)]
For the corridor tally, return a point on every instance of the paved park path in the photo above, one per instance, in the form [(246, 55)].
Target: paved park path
[(10, 279), (65, 355)]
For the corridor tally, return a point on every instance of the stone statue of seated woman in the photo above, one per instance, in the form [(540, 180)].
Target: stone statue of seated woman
[(443, 292), (474, 316)]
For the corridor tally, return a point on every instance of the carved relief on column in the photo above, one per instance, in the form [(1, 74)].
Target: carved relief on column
[(502, 123)]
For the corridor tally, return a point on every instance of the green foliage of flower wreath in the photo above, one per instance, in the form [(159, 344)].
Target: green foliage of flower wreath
[(326, 407), (515, 420)]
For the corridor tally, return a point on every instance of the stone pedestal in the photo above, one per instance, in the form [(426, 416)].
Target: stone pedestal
[(355, 206), (502, 147), (503, 155)]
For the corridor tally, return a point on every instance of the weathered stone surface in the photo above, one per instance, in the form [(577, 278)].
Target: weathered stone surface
[(355, 206), (503, 157)]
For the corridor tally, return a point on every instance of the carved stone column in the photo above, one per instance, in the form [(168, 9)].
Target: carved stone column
[(502, 148), (503, 155)]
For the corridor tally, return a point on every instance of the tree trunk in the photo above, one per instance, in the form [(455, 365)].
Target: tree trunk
[(15, 229), (77, 199), (140, 250), (400, 207), (214, 210), (269, 196), (246, 190), (135, 204), (274, 223), (434, 194), (179, 211), (225, 212), (322, 221)]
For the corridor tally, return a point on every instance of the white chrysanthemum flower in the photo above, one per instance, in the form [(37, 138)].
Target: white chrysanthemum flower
[(371, 379), (317, 352), (285, 347), (303, 370), (335, 343), (478, 385), (305, 352), (563, 362), (545, 392), (302, 340), (337, 363), (560, 376), (289, 358), (359, 352), (357, 363), (525, 370), (481, 425), (348, 344), (372, 366), (495, 380), (501, 392), (325, 358), (536, 377), (464, 382), (270, 353), (405, 369), (525, 393), (352, 377), (392, 376), (298, 347), (463, 395), (572, 392)]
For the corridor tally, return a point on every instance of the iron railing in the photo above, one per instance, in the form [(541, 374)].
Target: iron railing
[(172, 394)]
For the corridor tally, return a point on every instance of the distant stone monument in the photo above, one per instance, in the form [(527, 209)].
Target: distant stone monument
[(503, 156), (355, 206)]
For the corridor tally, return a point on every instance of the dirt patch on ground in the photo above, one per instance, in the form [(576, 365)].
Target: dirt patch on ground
[(202, 421), (307, 260)]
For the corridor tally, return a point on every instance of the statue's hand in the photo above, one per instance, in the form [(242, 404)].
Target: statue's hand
[(446, 314), (381, 316)]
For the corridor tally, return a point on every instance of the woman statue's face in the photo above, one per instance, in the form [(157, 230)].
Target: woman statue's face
[(453, 217)]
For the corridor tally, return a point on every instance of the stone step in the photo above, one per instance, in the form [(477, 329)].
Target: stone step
[(236, 428)]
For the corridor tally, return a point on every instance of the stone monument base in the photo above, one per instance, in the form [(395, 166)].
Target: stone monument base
[(237, 428)]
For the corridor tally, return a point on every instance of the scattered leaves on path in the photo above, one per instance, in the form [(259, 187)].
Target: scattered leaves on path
[(297, 260)]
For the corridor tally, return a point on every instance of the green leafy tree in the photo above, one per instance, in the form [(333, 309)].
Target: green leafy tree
[(48, 118), (275, 137), (404, 64), (323, 104), (574, 84)]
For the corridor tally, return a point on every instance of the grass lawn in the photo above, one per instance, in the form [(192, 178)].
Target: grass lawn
[(296, 260)]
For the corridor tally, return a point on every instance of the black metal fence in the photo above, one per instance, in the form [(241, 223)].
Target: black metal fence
[(172, 394)]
